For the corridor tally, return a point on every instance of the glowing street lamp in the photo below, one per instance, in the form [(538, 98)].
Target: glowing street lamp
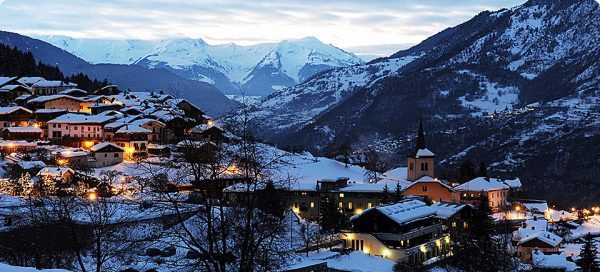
[(92, 196)]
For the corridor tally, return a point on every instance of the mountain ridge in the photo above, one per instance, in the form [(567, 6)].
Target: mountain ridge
[(254, 69)]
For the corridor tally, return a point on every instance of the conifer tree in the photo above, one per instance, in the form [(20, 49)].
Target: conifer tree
[(385, 195), (398, 192), (588, 257)]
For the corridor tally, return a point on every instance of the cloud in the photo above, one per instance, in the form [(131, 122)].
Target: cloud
[(347, 24)]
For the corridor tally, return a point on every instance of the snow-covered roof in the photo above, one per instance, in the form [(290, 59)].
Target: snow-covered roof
[(5, 80), (73, 118), (23, 97), (102, 145), (544, 236), (145, 121), (50, 110), (17, 144), (446, 210), (72, 153), (11, 87), (403, 212), (533, 206), (9, 110), (424, 153), (482, 184), (73, 90), (46, 98), (133, 129), (513, 183), (24, 129), (54, 171), (549, 261), (31, 164), (29, 80), (53, 83)]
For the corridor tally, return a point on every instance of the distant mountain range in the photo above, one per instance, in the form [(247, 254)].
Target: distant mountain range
[(544, 52), (134, 77), (234, 69)]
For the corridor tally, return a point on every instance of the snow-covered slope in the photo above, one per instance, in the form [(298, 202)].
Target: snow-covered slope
[(256, 69)]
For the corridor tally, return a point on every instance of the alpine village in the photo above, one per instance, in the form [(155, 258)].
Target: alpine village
[(95, 176)]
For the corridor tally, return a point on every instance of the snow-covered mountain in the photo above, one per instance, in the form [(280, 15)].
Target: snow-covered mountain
[(257, 69), (544, 52)]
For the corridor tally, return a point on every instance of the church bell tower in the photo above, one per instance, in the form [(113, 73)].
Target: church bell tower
[(421, 160)]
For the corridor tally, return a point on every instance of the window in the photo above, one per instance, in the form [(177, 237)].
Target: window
[(312, 204), (426, 166), (341, 195), (105, 155), (75, 128), (422, 167), (369, 205), (424, 188), (454, 224), (349, 205), (341, 204)]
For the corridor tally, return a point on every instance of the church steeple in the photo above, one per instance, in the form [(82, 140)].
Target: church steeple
[(420, 137), (421, 160)]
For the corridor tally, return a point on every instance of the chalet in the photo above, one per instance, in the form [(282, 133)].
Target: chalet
[(51, 87), (543, 241), (133, 139), (529, 227), (454, 216), (209, 133), (495, 190), (59, 101), (22, 133), (552, 262), (14, 116), (31, 167), (8, 81), (74, 92), (190, 110), (156, 128), (97, 108), (433, 189), (108, 90), (105, 154), (69, 157), (56, 172), (8, 93), (23, 99), (408, 231), (8, 147), (29, 81), (78, 130), (132, 110), (42, 116)]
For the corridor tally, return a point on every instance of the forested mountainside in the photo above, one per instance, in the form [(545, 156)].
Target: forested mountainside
[(132, 77), (475, 81)]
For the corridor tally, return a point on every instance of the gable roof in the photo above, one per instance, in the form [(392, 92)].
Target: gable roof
[(482, 184), (9, 110), (46, 98), (53, 83), (54, 171), (546, 237), (23, 130), (403, 212), (446, 210), (428, 179), (6, 80), (132, 129), (73, 118), (103, 145)]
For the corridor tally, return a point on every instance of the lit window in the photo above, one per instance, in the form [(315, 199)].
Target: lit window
[(349, 205), (341, 195), (341, 204), (312, 204), (369, 205), (454, 224)]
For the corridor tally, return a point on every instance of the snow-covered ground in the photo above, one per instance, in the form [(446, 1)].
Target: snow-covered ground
[(356, 261), (10, 268)]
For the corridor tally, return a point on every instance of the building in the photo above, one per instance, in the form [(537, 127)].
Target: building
[(59, 101), (22, 133), (56, 172), (543, 241), (78, 130), (495, 190), (9, 93), (51, 87), (421, 160), (454, 216), (105, 154), (68, 157), (42, 117), (14, 116), (408, 231), (156, 128), (133, 139), (433, 189), (552, 262)]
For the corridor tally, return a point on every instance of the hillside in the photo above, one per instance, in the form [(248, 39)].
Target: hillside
[(132, 77), (541, 52), (255, 70)]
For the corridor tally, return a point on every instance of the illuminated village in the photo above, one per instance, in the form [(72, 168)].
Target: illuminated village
[(61, 140)]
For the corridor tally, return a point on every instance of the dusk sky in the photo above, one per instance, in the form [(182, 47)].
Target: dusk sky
[(364, 27)]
